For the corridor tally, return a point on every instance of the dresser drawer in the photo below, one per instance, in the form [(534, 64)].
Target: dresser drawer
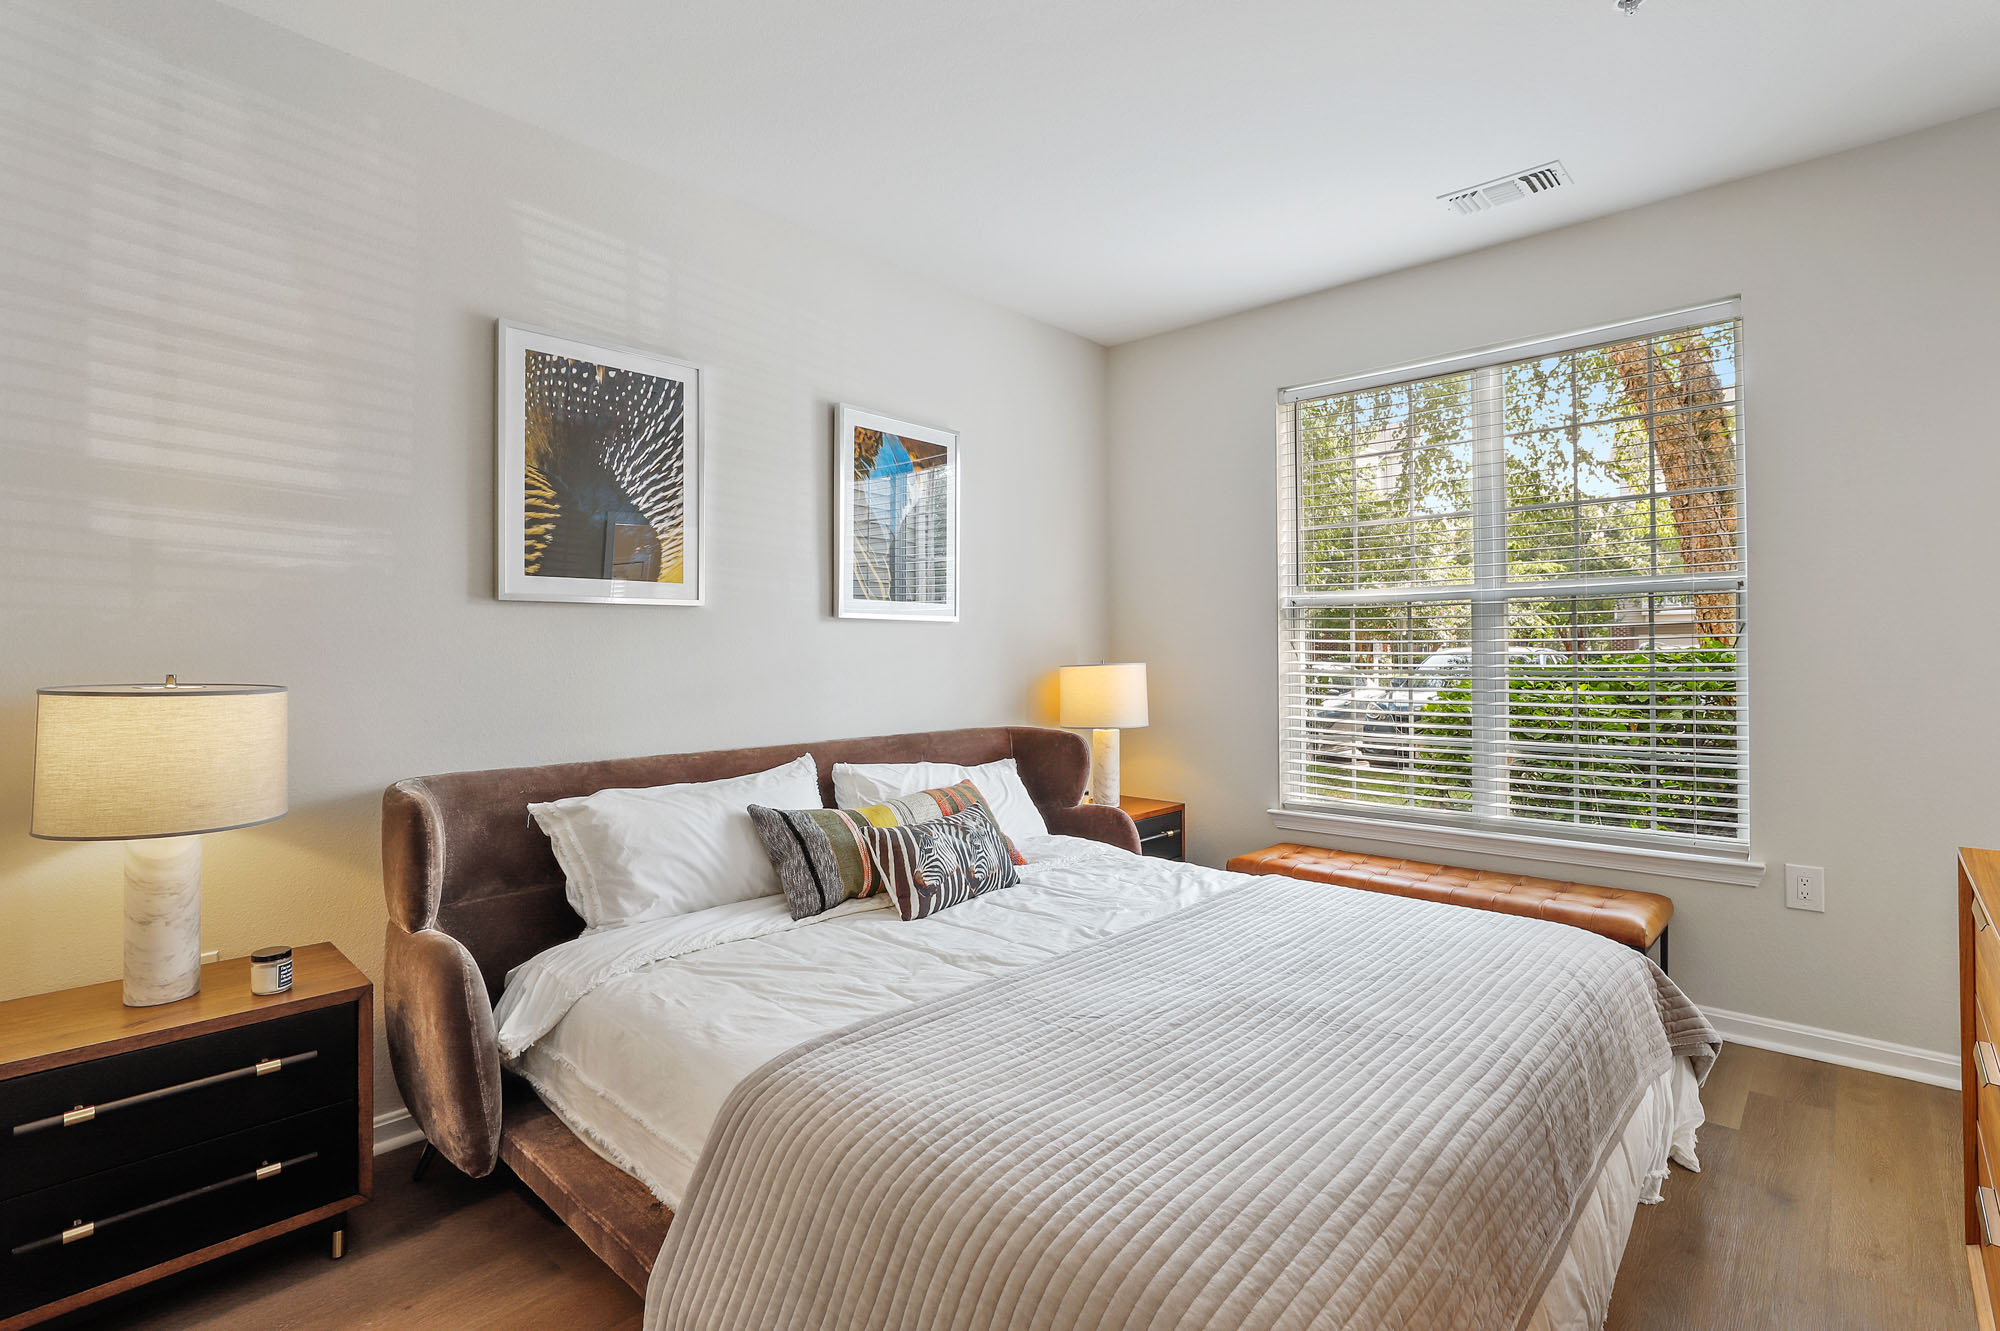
[(1985, 1180), (1986, 976), (1988, 1124), (160, 1208), (155, 1100)]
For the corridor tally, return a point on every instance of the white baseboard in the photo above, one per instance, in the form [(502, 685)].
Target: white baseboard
[(395, 1130), (1849, 1051)]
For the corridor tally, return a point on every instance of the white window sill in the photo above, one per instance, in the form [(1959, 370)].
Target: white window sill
[(1683, 866)]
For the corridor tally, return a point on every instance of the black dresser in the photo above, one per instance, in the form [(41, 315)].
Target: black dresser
[(137, 1142), (1162, 826)]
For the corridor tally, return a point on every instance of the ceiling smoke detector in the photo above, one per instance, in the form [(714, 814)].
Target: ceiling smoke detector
[(1507, 189)]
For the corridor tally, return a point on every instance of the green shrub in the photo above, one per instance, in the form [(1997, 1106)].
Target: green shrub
[(1639, 740)]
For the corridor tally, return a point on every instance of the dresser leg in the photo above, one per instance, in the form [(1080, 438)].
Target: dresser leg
[(339, 1243)]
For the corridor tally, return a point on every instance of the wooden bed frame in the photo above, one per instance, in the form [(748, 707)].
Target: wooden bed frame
[(473, 890)]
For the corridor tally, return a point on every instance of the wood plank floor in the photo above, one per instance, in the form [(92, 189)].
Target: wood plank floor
[(1827, 1201), (1828, 1198)]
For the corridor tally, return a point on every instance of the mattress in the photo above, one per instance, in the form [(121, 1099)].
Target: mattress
[(636, 1036)]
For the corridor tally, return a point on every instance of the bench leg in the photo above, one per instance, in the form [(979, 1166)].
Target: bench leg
[(1663, 947)]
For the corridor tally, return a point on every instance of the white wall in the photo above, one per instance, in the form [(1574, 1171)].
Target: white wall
[(1871, 305), (246, 355)]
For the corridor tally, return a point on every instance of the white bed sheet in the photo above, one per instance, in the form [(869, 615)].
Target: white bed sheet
[(640, 1061), (1578, 1296), (636, 1036)]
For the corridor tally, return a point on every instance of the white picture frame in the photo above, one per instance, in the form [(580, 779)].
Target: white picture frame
[(890, 558), (618, 489)]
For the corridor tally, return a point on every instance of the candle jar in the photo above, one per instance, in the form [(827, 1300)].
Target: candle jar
[(270, 970)]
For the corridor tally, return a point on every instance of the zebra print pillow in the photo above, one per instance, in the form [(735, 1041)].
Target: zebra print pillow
[(931, 866)]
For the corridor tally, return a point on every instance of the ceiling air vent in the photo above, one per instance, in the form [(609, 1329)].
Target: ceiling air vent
[(1507, 189)]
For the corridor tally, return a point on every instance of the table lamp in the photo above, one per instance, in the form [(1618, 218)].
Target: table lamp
[(1105, 699), (156, 766)]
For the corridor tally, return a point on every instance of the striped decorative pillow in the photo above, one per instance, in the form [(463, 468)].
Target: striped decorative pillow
[(931, 866), (823, 857), (927, 806)]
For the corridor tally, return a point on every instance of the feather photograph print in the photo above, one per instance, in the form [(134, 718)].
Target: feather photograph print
[(599, 472)]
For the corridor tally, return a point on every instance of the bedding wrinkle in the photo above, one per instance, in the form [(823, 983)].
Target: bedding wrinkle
[(673, 1013)]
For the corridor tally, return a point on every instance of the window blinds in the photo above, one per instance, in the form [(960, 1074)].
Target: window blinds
[(1513, 589)]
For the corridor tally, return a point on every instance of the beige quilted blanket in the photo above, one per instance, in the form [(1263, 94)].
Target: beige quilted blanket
[(1291, 1106)]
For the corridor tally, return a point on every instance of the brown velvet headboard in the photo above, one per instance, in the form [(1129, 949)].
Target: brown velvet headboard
[(474, 889)]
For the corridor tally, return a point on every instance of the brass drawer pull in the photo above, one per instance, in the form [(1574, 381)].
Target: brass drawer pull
[(84, 1229), (1986, 1061), (1989, 1215), (85, 1113)]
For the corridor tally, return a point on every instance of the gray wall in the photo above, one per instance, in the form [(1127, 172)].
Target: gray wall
[(246, 343), (1871, 306)]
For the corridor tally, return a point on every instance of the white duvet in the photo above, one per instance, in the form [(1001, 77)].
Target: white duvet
[(636, 1035)]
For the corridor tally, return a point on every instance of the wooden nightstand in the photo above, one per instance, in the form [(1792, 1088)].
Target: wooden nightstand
[(1162, 826), (137, 1142)]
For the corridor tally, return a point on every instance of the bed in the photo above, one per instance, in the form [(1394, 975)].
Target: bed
[(706, 1065)]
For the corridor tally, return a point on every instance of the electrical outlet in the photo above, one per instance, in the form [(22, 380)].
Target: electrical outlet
[(1805, 887)]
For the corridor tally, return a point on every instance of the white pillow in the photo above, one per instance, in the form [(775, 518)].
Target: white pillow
[(644, 854), (858, 784)]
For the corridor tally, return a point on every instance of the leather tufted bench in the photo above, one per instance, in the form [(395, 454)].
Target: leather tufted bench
[(1635, 919)]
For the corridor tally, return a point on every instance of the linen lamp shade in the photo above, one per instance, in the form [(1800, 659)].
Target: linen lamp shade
[(156, 766), (1103, 697), (125, 762)]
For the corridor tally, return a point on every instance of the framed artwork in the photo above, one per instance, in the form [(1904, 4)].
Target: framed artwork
[(895, 522), (599, 473)]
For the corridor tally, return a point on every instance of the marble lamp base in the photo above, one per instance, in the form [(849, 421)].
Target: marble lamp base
[(1104, 767), (162, 920)]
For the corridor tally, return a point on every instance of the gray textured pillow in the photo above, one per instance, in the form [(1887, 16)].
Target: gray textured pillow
[(818, 854)]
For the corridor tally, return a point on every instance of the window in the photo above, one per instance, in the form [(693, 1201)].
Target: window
[(1513, 590)]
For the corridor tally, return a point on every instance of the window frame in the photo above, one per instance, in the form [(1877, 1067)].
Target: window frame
[(1485, 826)]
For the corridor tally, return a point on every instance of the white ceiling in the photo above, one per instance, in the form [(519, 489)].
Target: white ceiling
[(1120, 167)]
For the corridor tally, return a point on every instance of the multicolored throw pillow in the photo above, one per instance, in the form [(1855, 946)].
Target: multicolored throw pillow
[(930, 866), (823, 856)]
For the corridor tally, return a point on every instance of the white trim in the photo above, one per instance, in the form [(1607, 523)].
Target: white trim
[(1683, 866), (1671, 321), (395, 1130), (1823, 1046)]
